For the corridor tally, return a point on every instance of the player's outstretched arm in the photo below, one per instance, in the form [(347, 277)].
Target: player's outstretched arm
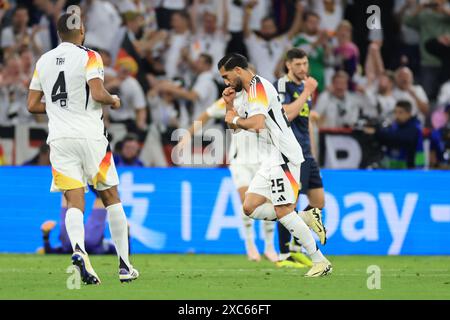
[(34, 102), (101, 95)]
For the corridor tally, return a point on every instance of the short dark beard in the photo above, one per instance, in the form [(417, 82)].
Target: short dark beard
[(238, 87)]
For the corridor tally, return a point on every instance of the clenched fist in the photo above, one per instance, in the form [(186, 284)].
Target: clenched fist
[(310, 85)]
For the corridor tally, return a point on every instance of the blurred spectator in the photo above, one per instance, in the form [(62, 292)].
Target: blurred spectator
[(381, 99), (444, 94), (42, 158), (208, 38), (403, 139), (265, 47), (165, 9), (338, 107), (133, 113), (409, 49), (102, 23), (406, 90), (331, 13), (164, 108), (127, 152), (178, 38), (345, 53), (440, 48), (440, 144), (314, 42), (234, 19), (431, 19), (13, 93), (204, 89), (49, 12), (19, 35)]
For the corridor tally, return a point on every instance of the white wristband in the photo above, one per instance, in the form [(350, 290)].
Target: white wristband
[(235, 120)]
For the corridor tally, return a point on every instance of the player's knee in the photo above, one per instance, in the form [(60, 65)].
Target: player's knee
[(284, 210), (76, 203), (248, 208), (110, 196)]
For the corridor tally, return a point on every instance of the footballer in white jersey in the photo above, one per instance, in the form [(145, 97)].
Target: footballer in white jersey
[(62, 74), (246, 152), (278, 179), (70, 78)]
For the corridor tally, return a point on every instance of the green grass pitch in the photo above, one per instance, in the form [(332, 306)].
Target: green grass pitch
[(226, 277)]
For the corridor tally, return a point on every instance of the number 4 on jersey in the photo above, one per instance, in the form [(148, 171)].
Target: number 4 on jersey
[(59, 92)]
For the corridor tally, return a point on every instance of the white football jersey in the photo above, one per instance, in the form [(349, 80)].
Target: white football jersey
[(246, 147), (262, 98), (63, 74)]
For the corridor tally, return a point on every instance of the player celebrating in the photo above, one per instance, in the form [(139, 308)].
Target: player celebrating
[(295, 90), (244, 163), (70, 77), (277, 180)]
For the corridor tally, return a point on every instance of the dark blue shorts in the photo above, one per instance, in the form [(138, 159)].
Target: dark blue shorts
[(310, 177)]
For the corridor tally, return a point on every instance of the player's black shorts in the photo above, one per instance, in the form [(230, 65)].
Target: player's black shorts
[(310, 177)]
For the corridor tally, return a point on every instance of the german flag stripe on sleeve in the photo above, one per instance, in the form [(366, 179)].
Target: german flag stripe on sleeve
[(94, 62), (257, 94)]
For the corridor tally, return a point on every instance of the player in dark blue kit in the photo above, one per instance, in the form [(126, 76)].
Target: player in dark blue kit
[(295, 90)]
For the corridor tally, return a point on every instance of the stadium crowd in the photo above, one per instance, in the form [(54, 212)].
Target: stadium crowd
[(388, 78)]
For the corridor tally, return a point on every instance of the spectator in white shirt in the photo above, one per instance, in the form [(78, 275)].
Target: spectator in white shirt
[(165, 9), (406, 90), (338, 107), (381, 99), (204, 90), (179, 38), (13, 93), (102, 23), (444, 94), (208, 39), (265, 47), (19, 35), (133, 113), (331, 13)]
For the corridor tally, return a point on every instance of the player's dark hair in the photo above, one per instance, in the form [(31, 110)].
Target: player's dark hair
[(63, 24), (233, 60), (405, 105), (295, 53), (207, 58)]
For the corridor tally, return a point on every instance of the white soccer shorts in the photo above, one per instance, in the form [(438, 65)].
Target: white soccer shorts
[(77, 162), (280, 184), (243, 174)]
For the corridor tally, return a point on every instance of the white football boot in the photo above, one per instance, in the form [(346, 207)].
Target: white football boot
[(88, 275)]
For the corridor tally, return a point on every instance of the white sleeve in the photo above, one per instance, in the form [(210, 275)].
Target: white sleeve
[(204, 86), (138, 95), (421, 93), (35, 83), (7, 38), (322, 103), (444, 94), (258, 102), (217, 110), (94, 66)]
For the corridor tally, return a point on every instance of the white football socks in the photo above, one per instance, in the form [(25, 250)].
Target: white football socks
[(75, 228), (269, 233), (249, 232), (119, 232), (297, 227), (265, 211)]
